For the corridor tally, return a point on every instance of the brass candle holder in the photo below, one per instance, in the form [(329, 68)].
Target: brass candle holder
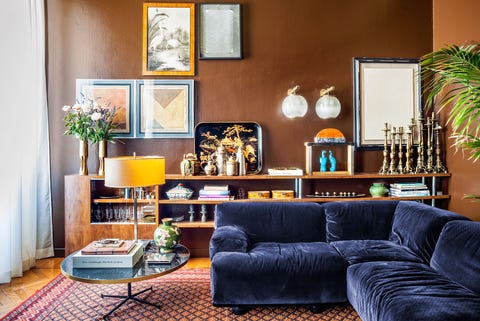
[(392, 169), (384, 168), (408, 154), (400, 150), (439, 167), (420, 168), (429, 168)]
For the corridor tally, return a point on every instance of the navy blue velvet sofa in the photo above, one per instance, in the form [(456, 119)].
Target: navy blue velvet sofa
[(392, 260)]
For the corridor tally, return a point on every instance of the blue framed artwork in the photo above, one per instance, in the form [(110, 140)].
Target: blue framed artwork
[(165, 108), (111, 93)]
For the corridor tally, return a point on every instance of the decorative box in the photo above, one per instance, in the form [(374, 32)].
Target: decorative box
[(343, 153), (258, 194), (282, 194)]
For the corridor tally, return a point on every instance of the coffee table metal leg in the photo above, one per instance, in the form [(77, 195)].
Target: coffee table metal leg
[(127, 297)]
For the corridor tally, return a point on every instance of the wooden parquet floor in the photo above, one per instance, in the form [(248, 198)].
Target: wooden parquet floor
[(19, 289)]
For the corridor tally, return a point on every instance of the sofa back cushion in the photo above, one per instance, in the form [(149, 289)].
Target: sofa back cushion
[(359, 220), (418, 226), (457, 254), (274, 221)]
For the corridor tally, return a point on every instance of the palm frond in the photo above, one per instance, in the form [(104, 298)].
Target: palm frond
[(452, 80)]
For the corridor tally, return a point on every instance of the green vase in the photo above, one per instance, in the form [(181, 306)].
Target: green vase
[(166, 236), (378, 190)]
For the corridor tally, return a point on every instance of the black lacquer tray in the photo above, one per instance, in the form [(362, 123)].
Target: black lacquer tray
[(208, 136)]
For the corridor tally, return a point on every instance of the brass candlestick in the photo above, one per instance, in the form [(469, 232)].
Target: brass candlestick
[(420, 152), (384, 169), (429, 168), (411, 129), (392, 169), (400, 150), (439, 167), (408, 154)]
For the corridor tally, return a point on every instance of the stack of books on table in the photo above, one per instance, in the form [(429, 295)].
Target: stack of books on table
[(109, 253), (409, 189), (215, 193)]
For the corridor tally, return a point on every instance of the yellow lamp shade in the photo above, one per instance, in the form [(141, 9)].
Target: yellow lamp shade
[(134, 171)]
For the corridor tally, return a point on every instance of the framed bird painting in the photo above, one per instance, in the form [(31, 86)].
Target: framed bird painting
[(169, 39)]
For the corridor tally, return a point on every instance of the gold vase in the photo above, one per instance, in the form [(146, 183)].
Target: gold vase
[(83, 152), (102, 153)]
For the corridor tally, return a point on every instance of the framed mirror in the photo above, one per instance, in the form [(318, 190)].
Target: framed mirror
[(386, 90)]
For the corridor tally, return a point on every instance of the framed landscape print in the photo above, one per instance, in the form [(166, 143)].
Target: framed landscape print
[(111, 93), (220, 35), (168, 39), (165, 108), (386, 90)]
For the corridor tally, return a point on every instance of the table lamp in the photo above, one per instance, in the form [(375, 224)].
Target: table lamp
[(133, 172)]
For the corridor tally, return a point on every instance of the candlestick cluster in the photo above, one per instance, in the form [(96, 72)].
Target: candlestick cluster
[(399, 148)]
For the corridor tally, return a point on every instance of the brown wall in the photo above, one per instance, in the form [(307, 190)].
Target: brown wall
[(306, 42), (456, 22)]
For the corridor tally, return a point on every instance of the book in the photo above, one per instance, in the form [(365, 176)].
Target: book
[(203, 192), (210, 187), (101, 247), (159, 258), (215, 198), (108, 261), (285, 171), (408, 186), (399, 193)]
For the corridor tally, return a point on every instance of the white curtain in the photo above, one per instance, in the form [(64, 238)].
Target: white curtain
[(25, 197)]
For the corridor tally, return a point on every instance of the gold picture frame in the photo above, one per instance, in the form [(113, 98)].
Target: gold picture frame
[(168, 39)]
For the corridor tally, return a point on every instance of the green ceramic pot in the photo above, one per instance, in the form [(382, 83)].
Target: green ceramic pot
[(378, 190), (166, 236)]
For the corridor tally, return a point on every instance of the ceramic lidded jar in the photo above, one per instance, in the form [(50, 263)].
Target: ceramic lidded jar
[(378, 190), (166, 236), (209, 168)]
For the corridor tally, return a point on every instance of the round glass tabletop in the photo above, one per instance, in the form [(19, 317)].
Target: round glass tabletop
[(141, 271)]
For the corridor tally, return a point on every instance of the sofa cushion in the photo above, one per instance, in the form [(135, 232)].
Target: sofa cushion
[(457, 254), (228, 239), (373, 250), (275, 221), (359, 220), (418, 226), (279, 273), (399, 291)]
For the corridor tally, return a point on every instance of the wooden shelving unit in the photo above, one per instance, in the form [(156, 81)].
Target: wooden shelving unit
[(83, 195)]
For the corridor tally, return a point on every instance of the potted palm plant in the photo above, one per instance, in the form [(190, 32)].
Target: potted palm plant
[(451, 78)]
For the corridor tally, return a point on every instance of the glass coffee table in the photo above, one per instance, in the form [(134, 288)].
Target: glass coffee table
[(141, 271)]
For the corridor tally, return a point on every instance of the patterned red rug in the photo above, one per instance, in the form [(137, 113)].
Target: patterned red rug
[(184, 295)]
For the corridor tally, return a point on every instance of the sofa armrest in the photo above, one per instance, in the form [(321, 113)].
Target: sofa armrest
[(228, 239)]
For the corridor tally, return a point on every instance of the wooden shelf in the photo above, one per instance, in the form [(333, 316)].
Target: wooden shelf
[(83, 194), (195, 224), (122, 201), (305, 199), (320, 176)]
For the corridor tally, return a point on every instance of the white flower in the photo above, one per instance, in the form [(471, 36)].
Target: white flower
[(86, 108), (66, 108), (96, 116)]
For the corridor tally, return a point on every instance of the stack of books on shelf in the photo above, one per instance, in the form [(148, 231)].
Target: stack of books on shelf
[(215, 193), (409, 189), (109, 253)]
